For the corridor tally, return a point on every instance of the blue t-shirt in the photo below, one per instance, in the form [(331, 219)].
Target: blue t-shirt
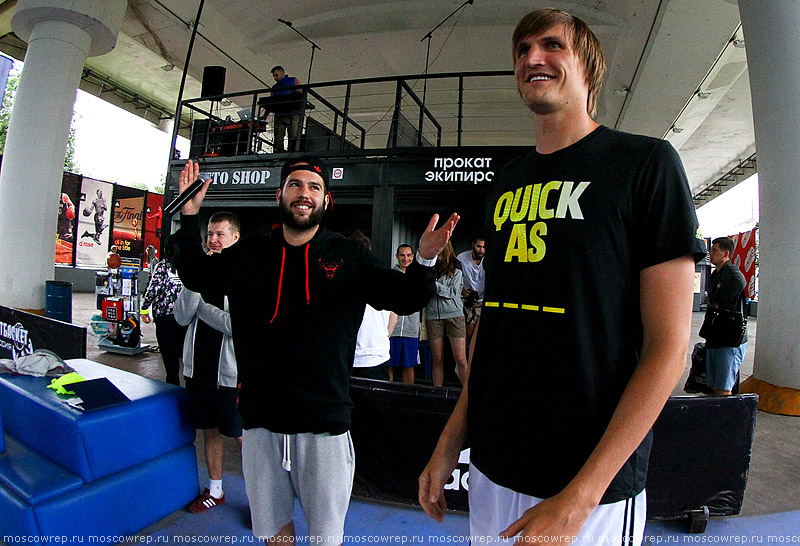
[(286, 81)]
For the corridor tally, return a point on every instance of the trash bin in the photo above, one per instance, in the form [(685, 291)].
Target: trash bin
[(58, 302)]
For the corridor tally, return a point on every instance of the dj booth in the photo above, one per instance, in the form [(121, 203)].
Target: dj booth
[(225, 138), (236, 138), (216, 137)]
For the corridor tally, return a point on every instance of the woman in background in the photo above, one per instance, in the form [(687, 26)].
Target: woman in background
[(445, 317), (160, 296)]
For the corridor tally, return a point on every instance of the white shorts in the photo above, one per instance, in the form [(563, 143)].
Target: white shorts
[(321, 469), (493, 508)]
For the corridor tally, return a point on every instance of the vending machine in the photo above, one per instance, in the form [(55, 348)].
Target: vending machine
[(117, 291)]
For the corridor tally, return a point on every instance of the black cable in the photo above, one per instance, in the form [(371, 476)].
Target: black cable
[(212, 44), (445, 42)]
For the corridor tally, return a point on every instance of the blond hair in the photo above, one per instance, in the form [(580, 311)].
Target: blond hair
[(585, 44)]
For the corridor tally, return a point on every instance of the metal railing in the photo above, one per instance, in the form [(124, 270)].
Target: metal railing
[(367, 115)]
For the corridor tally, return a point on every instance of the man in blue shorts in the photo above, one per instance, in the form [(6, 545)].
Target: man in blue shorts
[(725, 291), (404, 348)]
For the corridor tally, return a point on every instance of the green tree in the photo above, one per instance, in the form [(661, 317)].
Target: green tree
[(69, 160), (5, 110), (5, 116), (162, 184), (136, 184)]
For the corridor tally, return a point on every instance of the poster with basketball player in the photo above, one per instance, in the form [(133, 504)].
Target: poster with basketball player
[(152, 224), (94, 223), (67, 218), (744, 257), (127, 227)]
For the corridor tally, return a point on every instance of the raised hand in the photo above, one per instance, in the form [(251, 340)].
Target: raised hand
[(190, 173), (432, 241)]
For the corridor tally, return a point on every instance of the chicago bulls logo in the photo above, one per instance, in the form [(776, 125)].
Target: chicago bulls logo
[(330, 267)]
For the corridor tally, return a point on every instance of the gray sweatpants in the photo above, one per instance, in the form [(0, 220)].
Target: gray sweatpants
[(318, 469)]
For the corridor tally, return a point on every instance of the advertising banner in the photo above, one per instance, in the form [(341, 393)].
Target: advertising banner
[(446, 168), (67, 219), (94, 223), (744, 257), (152, 224), (22, 333), (128, 215)]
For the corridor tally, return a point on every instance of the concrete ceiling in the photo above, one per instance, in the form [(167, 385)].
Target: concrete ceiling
[(660, 53)]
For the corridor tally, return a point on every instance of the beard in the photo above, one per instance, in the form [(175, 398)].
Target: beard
[(288, 218)]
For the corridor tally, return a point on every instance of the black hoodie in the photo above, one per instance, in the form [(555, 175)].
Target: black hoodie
[(295, 314)]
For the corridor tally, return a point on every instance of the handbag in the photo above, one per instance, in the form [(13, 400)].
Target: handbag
[(724, 327), (697, 382)]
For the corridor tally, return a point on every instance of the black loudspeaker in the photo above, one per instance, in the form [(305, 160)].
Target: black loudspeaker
[(213, 81), (201, 137)]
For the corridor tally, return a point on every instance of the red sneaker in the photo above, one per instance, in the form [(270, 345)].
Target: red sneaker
[(204, 501)]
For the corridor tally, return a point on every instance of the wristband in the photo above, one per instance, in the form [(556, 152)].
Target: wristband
[(424, 261)]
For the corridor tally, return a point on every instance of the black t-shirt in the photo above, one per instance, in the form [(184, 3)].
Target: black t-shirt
[(567, 236), (207, 348)]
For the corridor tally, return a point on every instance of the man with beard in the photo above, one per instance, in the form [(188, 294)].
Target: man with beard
[(474, 282), (297, 297)]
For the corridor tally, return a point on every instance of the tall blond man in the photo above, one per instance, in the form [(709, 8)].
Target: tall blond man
[(586, 314)]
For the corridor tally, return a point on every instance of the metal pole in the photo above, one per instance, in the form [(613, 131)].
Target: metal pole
[(307, 39), (177, 123), (424, 91), (460, 107), (429, 35), (311, 64)]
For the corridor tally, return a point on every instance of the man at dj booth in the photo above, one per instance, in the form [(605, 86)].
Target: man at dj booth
[(287, 111)]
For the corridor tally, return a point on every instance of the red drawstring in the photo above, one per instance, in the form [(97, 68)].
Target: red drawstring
[(280, 282), (308, 293)]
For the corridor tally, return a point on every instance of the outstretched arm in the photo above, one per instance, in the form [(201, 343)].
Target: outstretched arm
[(409, 292), (666, 305)]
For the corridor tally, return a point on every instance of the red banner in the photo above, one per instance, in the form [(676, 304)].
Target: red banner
[(152, 224), (128, 226), (744, 257), (67, 218)]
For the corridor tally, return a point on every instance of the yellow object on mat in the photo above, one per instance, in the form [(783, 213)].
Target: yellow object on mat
[(65, 379)]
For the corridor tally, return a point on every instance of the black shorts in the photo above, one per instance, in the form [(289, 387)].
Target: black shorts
[(211, 407), (380, 372)]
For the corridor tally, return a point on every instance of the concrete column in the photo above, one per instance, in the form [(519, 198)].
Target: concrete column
[(772, 42), (60, 34)]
